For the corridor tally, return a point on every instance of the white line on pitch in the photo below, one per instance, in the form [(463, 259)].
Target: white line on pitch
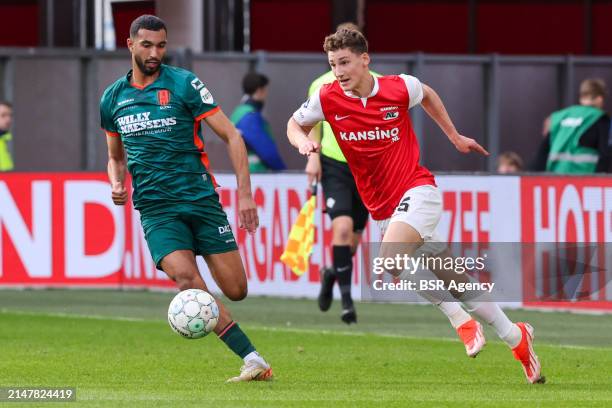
[(275, 329)]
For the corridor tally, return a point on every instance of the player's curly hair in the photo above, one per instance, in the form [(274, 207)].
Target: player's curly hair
[(346, 38)]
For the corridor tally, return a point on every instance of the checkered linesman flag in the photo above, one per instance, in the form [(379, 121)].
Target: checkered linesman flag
[(301, 237)]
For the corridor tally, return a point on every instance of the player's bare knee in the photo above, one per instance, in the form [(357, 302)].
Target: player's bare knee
[(342, 227), (184, 284), (346, 235), (237, 292), (343, 236), (240, 293), (186, 281)]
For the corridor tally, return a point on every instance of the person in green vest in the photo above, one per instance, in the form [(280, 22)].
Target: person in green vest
[(343, 205), (255, 129), (577, 138), (6, 118)]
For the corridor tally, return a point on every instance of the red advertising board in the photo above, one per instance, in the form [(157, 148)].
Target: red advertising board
[(62, 230), (565, 211)]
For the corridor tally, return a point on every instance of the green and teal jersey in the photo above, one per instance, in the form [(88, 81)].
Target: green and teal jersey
[(566, 128), (159, 126)]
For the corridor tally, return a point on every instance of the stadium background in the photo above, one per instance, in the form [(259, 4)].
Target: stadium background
[(55, 91), (514, 61), (500, 66)]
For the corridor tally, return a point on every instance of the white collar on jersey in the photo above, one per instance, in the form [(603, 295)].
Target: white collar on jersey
[(365, 99)]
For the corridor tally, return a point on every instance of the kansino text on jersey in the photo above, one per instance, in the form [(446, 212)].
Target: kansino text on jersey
[(432, 284), (376, 134)]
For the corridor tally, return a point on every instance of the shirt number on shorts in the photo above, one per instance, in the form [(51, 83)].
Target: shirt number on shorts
[(404, 204)]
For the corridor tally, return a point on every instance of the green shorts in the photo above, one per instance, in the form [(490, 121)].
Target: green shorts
[(199, 226)]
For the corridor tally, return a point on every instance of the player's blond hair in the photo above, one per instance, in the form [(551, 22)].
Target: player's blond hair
[(346, 38)]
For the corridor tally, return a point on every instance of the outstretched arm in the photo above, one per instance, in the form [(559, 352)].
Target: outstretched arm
[(223, 128), (298, 137), (116, 168), (301, 123), (313, 166), (435, 109)]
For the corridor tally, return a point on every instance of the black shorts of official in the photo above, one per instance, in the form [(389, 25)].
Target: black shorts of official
[(340, 192)]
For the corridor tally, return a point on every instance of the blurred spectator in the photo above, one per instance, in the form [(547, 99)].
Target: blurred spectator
[(247, 117), (509, 162), (6, 119), (576, 139)]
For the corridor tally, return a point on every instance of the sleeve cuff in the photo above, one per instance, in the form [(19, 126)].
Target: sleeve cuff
[(301, 120), (111, 134), (207, 114)]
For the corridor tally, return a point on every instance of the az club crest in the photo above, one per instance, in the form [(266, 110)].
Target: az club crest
[(391, 115)]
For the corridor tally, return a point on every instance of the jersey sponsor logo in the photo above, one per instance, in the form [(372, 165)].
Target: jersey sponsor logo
[(225, 229), (571, 122), (205, 94), (163, 97), (124, 102), (391, 115), (339, 118), (388, 108), (376, 134), (142, 121), (197, 84)]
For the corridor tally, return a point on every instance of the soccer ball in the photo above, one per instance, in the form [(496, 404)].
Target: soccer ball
[(193, 313)]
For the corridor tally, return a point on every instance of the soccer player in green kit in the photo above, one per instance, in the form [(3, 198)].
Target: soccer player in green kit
[(152, 118)]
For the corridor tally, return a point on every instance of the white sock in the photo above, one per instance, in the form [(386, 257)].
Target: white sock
[(253, 355), (443, 300), (513, 337), (452, 310), (491, 313), (455, 313)]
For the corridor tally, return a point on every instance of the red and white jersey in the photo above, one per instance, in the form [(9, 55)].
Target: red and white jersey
[(376, 137)]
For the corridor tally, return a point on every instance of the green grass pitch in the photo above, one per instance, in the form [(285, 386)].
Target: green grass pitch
[(118, 351)]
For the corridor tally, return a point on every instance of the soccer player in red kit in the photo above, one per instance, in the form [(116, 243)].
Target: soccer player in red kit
[(369, 117)]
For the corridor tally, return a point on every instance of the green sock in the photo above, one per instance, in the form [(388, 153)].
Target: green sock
[(236, 340)]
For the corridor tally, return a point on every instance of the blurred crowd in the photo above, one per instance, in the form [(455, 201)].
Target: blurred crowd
[(574, 140), (6, 120)]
